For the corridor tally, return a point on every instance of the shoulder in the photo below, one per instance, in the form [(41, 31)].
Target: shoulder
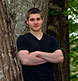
[(22, 37), (51, 38)]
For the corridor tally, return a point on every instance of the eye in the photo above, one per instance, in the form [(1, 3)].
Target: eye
[(38, 19), (32, 19)]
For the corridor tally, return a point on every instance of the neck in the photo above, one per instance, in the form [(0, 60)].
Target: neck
[(37, 34)]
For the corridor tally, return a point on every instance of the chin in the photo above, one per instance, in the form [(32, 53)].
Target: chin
[(36, 30)]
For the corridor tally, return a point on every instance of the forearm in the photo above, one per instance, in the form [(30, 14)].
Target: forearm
[(31, 60), (56, 57)]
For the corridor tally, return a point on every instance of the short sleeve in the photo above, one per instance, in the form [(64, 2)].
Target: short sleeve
[(54, 44), (21, 43)]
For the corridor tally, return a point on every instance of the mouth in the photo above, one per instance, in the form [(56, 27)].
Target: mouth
[(36, 25)]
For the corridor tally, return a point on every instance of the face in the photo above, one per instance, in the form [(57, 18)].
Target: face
[(35, 22)]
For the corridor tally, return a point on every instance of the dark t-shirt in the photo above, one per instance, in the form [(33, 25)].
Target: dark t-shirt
[(42, 72)]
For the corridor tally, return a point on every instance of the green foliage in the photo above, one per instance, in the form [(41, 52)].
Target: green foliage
[(72, 27), (74, 58), (55, 12), (72, 13)]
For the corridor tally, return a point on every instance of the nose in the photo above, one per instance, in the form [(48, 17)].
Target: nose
[(35, 21)]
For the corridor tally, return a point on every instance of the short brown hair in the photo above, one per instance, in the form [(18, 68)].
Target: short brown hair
[(33, 11)]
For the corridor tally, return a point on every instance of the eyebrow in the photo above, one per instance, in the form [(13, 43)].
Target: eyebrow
[(38, 18)]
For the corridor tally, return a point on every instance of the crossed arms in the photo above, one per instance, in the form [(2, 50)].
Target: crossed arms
[(39, 57)]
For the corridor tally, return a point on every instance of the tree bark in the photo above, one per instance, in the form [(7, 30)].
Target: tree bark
[(57, 26), (10, 69), (12, 16)]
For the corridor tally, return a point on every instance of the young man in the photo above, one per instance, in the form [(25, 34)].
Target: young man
[(37, 51)]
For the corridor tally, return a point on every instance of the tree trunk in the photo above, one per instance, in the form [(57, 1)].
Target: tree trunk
[(14, 17), (9, 64), (57, 26)]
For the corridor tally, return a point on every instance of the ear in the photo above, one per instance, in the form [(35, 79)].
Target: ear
[(43, 20), (26, 21)]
